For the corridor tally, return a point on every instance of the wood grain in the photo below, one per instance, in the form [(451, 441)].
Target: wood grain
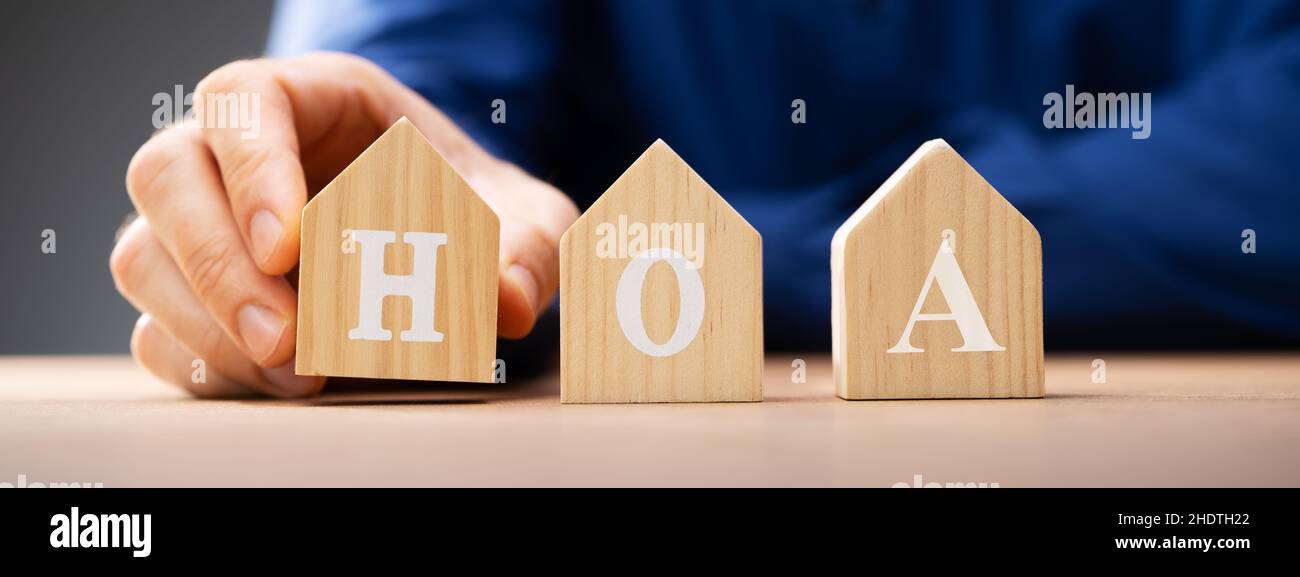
[(401, 184), (880, 259), (724, 362)]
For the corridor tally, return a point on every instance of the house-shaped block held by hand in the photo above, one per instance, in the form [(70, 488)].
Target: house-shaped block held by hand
[(398, 278), (937, 289), (660, 292)]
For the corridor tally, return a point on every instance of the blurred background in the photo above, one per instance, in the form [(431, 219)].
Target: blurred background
[(69, 136), (80, 78)]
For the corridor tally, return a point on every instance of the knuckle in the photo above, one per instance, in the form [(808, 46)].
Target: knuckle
[(122, 262), (346, 60), (249, 166), (230, 76), (568, 212), (531, 246), (208, 262), (529, 234), (366, 67), (143, 344), (215, 344), (136, 337), (155, 158), (150, 349), (540, 237)]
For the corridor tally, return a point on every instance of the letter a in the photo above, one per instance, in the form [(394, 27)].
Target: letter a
[(420, 286), (961, 306)]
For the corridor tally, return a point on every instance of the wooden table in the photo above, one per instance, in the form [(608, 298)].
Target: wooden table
[(1160, 420)]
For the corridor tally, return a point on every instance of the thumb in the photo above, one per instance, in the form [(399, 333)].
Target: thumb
[(533, 215), (530, 270)]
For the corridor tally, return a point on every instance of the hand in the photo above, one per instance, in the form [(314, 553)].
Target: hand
[(220, 215)]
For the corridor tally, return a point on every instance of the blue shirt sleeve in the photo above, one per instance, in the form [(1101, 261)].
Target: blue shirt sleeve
[(437, 48)]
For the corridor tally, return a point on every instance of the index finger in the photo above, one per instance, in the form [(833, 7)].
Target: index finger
[(248, 122)]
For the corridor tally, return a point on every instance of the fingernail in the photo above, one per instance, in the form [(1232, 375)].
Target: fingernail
[(261, 330), (264, 231), (288, 382), (527, 284)]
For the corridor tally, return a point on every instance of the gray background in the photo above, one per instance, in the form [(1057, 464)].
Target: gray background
[(76, 85)]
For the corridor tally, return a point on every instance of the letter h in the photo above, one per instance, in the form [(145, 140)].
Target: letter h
[(420, 286)]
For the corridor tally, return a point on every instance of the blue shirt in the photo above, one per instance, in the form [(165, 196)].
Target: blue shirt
[(1142, 238)]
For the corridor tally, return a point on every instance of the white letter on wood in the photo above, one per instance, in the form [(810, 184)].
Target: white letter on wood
[(420, 286), (961, 306), (690, 315)]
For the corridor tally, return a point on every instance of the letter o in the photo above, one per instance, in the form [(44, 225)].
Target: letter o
[(690, 313)]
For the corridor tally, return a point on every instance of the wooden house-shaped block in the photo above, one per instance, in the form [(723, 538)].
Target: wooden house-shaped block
[(661, 292), (398, 278), (937, 289)]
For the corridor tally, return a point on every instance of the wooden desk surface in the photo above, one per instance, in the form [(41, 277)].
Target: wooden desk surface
[(1160, 420)]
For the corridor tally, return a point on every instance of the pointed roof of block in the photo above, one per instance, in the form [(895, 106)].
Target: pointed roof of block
[(389, 151), (657, 159), (909, 179)]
